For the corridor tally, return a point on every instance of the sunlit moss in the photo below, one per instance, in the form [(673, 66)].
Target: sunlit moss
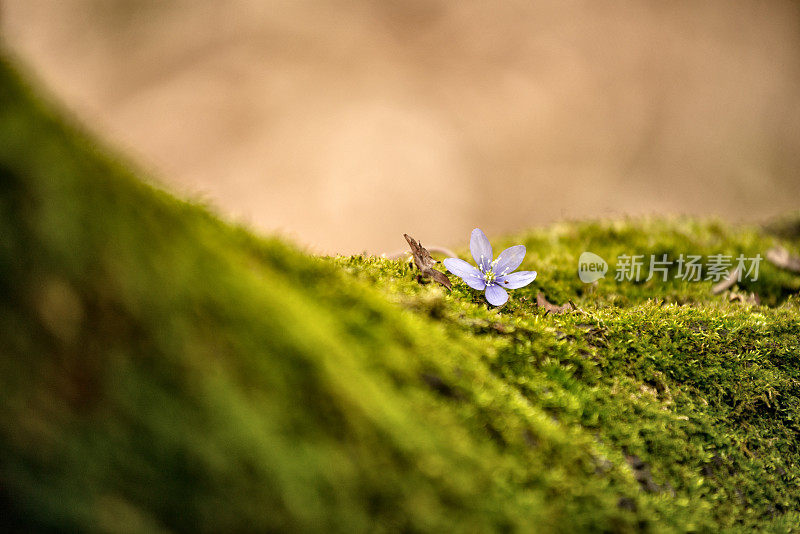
[(162, 370)]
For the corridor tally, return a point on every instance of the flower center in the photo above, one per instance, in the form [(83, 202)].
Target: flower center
[(489, 276)]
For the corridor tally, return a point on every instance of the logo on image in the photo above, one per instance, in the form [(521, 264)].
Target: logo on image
[(591, 267)]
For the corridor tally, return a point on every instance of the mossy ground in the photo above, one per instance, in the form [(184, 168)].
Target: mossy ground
[(164, 371)]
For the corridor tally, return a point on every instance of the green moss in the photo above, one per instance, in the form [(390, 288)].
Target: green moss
[(162, 370)]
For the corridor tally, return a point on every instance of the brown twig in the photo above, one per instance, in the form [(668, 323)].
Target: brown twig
[(726, 284), (781, 257)]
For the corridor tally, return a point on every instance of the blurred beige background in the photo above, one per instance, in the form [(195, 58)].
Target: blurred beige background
[(343, 124)]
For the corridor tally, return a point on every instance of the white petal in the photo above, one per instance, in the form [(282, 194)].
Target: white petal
[(481, 249), (516, 280), (466, 272), (509, 260), (496, 295)]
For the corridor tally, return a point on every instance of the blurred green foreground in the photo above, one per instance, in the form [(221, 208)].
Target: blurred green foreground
[(161, 370)]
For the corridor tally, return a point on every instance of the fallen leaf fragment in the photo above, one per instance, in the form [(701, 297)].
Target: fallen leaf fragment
[(434, 249), (542, 302), (425, 263)]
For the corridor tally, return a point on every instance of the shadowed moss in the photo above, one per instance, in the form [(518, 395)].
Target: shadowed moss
[(164, 371)]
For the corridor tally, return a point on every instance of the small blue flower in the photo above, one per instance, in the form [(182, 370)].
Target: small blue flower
[(494, 276)]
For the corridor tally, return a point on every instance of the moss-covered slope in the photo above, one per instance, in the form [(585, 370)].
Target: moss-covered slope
[(161, 370)]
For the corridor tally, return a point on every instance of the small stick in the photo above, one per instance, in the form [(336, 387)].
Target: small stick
[(726, 284), (780, 256)]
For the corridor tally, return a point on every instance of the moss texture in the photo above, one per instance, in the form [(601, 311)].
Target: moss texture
[(161, 370)]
